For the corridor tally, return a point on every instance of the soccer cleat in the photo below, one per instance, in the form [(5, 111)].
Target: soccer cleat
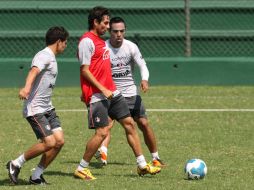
[(13, 172), (158, 163), (101, 157), (84, 174), (40, 181), (148, 169)]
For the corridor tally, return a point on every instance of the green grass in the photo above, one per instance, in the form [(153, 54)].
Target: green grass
[(224, 140)]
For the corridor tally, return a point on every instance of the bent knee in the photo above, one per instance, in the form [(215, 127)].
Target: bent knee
[(59, 143), (102, 132), (50, 144)]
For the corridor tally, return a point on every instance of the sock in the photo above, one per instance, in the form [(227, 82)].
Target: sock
[(155, 155), (37, 172), (141, 161), (83, 164), (104, 149), (19, 161)]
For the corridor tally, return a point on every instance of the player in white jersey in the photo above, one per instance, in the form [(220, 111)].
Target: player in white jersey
[(38, 108), (124, 55)]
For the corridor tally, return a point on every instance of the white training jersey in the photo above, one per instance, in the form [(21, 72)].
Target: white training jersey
[(123, 60), (39, 100)]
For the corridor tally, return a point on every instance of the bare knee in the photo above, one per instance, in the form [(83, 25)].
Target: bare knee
[(59, 138), (59, 143), (49, 143), (143, 124), (102, 132), (128, 124)]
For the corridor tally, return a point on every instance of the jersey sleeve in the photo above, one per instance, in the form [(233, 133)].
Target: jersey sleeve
[(139, 60), (86, 50), (41, 61)]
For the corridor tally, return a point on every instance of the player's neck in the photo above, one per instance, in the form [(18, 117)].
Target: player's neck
[(53, 48), (94, 32)]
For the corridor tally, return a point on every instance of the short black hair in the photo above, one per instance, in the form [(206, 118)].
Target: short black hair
[(97, 13), (116, 20), (56, 33)]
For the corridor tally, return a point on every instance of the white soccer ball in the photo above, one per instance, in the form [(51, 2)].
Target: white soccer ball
[(195, 169)]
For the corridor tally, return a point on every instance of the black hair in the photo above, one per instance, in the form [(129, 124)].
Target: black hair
[(96, 13), (116, 20), (56, 33)]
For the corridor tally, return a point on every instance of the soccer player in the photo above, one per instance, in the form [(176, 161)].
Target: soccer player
[(124, 55), (101, 97), (38, 108)]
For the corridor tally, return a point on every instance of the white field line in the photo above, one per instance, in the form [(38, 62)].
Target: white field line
[(173, 110)]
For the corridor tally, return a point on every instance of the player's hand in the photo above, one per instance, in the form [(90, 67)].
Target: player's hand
[(23, 94), (144, 86), (82, 99), (108, 94)]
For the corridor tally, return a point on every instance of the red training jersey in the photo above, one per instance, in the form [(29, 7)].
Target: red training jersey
[(100, 67)]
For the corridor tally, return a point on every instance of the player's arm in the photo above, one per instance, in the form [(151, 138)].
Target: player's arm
[(85, 72), (25, 91), (139, 60)]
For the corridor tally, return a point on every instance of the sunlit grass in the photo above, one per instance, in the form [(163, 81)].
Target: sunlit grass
[(224, 140)]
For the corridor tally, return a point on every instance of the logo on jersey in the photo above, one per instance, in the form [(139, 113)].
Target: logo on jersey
[(97, 119), (105, 53), (118, 75), (47, 127), (51, 86)]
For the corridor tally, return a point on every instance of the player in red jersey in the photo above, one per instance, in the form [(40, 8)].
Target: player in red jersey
[(104, 102)]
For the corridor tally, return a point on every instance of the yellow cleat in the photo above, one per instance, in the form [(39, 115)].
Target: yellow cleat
[(158, 163), (148, 169), (84, 174)]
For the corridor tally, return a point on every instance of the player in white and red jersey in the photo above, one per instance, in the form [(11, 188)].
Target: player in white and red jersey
[(38, 108), (125, 55), (103, 100)]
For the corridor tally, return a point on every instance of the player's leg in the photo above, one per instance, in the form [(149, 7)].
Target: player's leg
[(119, 110), (139, 114), (148, 134), (48, 157), (58, 134), (42, 131), (91, 147), (132, 135), (98, 120), (150, 140), (102, 153)]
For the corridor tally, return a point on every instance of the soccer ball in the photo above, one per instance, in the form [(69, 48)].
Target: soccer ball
[(195, 169)]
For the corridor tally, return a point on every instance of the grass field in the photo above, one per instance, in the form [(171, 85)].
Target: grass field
[(223, 138)]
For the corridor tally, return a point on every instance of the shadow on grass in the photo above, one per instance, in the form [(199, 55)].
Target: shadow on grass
[(59, 173), (99, 165), (92, 164), (7, 182), (120, 163)]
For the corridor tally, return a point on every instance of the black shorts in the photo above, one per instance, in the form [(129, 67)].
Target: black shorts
[(43, 124), (137, 108), (99, 112)]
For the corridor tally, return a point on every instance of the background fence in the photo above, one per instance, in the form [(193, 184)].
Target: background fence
[(219, 51)]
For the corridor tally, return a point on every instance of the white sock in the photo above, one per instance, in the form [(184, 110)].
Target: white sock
[(19, 161), (83, 164), (155, 155), (104, 149), (141, 161), (37, 172)]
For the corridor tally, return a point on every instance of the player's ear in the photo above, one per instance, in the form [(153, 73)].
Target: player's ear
[(96, 22), (58, 41)]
